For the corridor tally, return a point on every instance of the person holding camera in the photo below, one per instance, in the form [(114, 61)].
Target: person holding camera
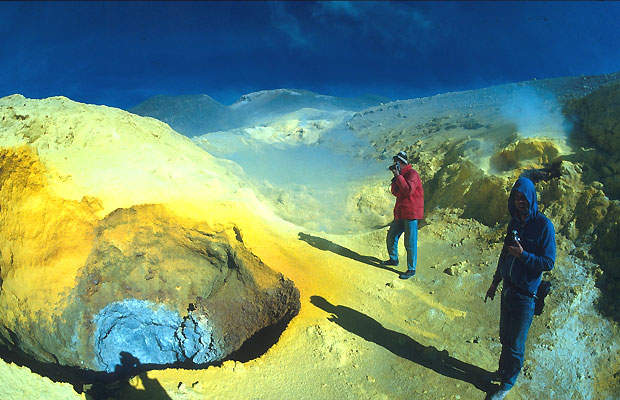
[(407, 187), (529, 249)]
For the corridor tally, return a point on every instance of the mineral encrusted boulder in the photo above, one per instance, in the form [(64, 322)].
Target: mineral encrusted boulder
[(95, 260), (79, 291), (166, 290), (163, 290)]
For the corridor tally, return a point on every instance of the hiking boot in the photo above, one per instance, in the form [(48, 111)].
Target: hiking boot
[(389, 262), (408, 274), (499, 395)]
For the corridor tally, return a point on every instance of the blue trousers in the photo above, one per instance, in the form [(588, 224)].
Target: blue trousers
[(517, 312), (410, 228)]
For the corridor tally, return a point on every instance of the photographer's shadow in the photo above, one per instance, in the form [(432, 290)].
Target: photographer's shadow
[(326, 245), (405, 347), (119, 387)]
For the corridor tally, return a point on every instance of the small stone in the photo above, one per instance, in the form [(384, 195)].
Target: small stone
[(598, 273), (136, 382)]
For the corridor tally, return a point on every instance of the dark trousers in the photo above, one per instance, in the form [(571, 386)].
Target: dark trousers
[(517, 312)]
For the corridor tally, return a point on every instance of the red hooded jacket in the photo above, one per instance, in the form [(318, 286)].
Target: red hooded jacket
[(407, 187)]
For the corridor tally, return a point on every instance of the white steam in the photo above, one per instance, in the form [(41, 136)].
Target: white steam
[(536, 113), (304, 163)]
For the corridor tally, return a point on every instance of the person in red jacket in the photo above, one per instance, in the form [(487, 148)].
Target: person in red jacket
[(409, 208)]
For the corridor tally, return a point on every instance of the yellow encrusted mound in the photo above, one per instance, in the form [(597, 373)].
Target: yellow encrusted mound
[(44, 240), (114, 156), (66, 172), (533, 153)]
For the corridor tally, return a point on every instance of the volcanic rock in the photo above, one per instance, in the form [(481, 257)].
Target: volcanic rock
[(158, 287), (95, 257), (165, 290)]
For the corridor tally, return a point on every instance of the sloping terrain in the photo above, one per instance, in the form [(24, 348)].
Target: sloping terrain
[(194, 115), (189, 114), (361, 332)]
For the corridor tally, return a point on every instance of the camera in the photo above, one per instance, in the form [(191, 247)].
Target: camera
[(395, 167)]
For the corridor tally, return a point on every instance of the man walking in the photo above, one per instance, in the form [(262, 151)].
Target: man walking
[(529, 249), (407, 187)]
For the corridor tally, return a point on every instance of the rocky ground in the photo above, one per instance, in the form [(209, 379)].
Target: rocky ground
[(361, 331)]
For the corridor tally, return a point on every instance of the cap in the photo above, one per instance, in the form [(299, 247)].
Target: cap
[(402, 156)]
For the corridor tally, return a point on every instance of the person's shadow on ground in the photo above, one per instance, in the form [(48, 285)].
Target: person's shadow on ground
[(326, 245), (405, 347), (120, 388)]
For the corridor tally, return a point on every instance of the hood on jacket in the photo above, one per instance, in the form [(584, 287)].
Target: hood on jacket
[(526, 187)]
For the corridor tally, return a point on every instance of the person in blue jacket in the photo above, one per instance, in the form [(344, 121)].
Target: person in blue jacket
[(529, 249)]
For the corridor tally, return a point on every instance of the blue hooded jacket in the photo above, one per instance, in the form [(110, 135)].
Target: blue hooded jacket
[(537, 237)]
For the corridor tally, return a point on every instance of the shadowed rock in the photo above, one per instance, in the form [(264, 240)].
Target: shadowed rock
[(165, 289), (168, 291)]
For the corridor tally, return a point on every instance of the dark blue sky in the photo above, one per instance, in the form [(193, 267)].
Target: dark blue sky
[(120, 53)]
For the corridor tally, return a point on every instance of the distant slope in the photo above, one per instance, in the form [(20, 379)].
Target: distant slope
[(194, 115), (283, 101), (534, 104), (188, 114)]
